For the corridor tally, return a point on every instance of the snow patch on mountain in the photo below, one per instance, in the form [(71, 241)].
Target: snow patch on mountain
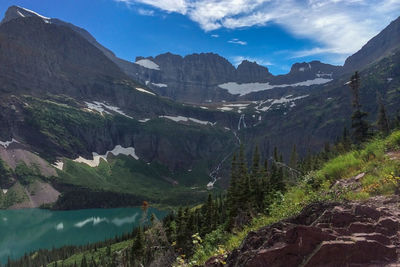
[(225, 109), (267, 104), (58, 165), (245, 88), (118, 150), (8, 143), (185, 119), (147, 63), (105, 108), (160, 84), (144, 91), (324, 75), (24, 12)]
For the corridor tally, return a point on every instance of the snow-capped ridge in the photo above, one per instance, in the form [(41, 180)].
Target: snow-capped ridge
[(15, 12)]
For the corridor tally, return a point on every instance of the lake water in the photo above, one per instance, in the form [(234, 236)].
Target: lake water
[(22, 231)]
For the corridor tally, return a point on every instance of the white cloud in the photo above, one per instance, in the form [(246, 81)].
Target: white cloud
[(237, 41), (339, 26), (214, 35)]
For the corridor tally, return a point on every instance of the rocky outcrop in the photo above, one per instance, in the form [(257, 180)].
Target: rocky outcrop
[(250, 72), (328, 234)]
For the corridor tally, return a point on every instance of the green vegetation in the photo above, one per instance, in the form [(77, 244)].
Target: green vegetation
[(125, 175), (16, 194), (5, 174)]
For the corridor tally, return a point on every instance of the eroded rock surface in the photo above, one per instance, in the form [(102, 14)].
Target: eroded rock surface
[(328, 234)]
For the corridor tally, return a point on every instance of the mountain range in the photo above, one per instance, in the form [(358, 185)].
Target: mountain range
[(76, 118)]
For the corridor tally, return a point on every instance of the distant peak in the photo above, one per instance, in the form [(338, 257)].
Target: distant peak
[(14, 12)]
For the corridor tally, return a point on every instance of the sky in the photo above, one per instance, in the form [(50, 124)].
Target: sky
[(274, 33)]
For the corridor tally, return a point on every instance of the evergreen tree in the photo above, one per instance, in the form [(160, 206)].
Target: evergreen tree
[(243, 182), (208, 220), (382, 122), (139, 245), (255, 178), (346, 139), (84, 262), (293, 158), (359, 124), (232, 194)]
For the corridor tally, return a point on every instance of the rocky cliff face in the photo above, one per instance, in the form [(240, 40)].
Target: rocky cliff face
[(39, 57), (197, 78), (328, 234), (248, 72), (386, 42)]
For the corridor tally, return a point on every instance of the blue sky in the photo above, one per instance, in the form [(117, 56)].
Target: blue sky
[(274, 33)]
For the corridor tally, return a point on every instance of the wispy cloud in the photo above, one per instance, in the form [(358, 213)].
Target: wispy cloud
[(214, 35), (237, 41), (339, 26), (236, 60), (179, 6), (145, 12)]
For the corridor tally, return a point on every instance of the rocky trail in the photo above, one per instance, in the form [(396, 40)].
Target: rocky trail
[(327, 234)]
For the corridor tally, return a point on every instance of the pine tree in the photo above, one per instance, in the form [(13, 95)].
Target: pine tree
[(382, 122), (243, 181), (232, 194), (255, 178), (138, 245), (345, 139), (359, 124), (84, 262), (208, 220), (293, 158)]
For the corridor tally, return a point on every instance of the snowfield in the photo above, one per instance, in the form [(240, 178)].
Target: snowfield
[(8, 143), (144, 91), (118, 150), (185, 119), (105, 108), (160, 85), (58, 165), (148, 64), (267, 104), (246, 88)]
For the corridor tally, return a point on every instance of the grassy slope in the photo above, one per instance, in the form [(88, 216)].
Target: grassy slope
[(382, 178), (123, 174)]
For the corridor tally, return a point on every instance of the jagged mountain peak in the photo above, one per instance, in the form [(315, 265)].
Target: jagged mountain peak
[(14, 12)]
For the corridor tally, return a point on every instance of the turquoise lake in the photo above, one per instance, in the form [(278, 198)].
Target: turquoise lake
[(22, 231)]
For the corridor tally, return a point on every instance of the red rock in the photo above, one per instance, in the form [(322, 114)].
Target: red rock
[(352, 234), (344, 253)]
